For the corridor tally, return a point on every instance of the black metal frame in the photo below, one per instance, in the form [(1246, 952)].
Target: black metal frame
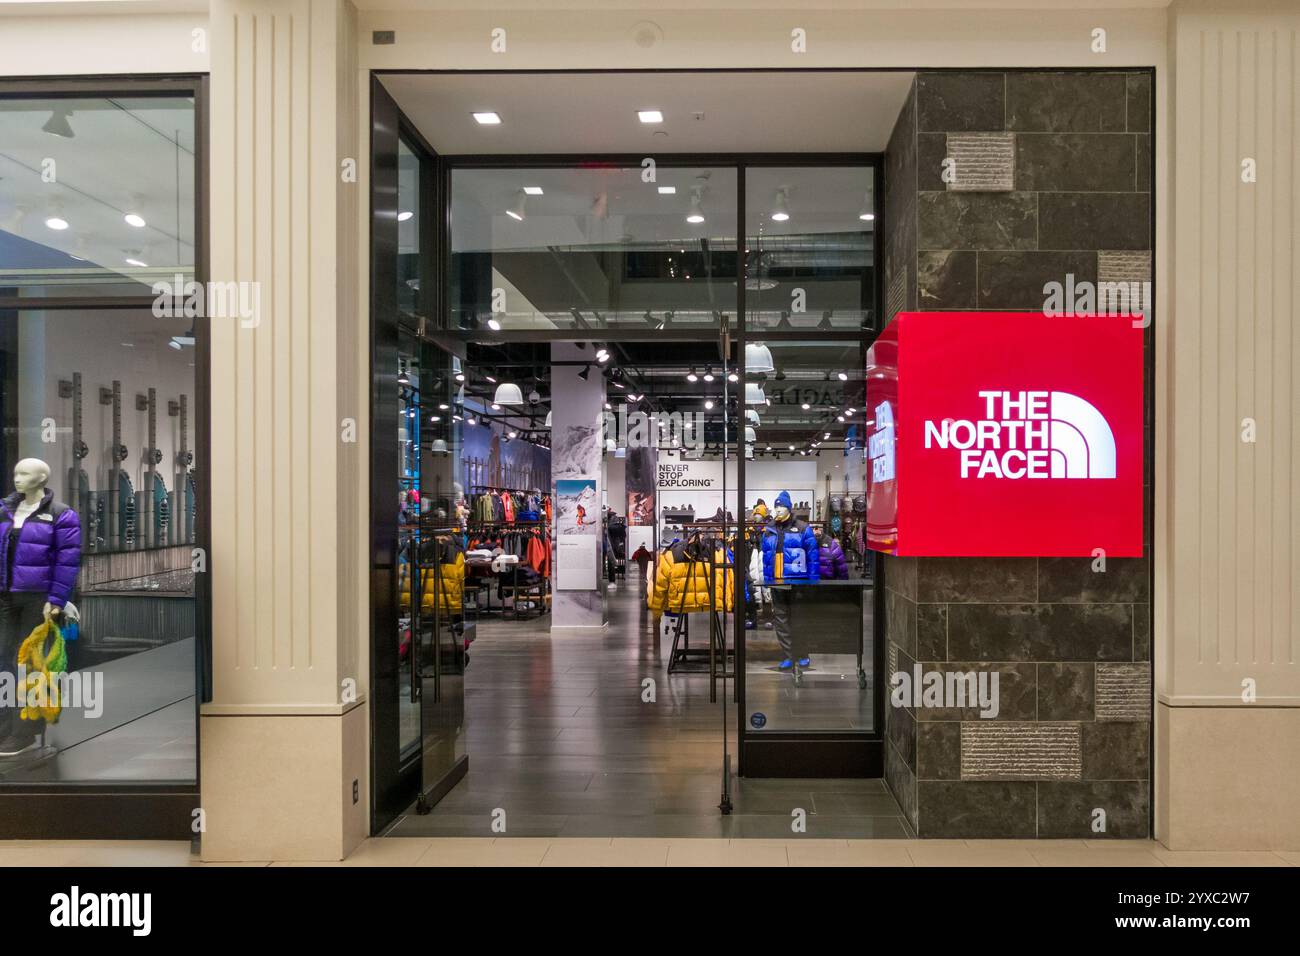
[(78, 810)]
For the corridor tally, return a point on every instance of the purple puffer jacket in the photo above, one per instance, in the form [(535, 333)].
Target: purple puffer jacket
[(48, 552), (831, 557)]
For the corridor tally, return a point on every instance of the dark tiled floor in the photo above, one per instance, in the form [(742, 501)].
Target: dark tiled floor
[(559, 739)]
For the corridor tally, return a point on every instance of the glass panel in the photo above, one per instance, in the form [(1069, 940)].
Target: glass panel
[(409, 297), (409, 579), (105, 402), (592, 247), (808, 652), (810, 238), (96, 194)]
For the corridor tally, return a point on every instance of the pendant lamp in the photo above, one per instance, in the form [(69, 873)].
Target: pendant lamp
[(758, 358), (750, 434), (508, 394), (548, 419), (754, 394)]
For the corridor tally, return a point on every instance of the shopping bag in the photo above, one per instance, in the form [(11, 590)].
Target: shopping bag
[(40, 691)]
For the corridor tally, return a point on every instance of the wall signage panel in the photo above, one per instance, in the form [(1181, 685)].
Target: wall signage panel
[(1005, 434)]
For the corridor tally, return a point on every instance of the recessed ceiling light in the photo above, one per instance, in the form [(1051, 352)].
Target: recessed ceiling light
[(843, 376), (650, 116), (402, 216), (487, 119), (667, 190), (132, 219), (533, 190), (54, 222)]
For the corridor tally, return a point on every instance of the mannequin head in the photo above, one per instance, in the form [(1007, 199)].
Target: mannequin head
[(781, 508), (31, 476)]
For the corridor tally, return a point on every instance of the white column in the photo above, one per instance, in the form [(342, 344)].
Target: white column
[(283, 743)]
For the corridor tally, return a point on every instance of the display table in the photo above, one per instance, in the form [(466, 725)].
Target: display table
[(827, 618)]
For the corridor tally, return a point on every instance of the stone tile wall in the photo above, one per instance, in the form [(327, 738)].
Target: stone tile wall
[(1059, 168)]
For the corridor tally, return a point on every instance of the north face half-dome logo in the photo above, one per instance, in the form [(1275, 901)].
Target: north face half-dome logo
[(1029, 435)]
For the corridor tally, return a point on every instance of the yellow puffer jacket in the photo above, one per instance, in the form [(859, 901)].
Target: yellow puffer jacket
[(452, 584), (683, 585)]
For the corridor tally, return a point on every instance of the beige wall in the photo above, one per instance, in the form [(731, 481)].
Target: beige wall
[(1231, 538)]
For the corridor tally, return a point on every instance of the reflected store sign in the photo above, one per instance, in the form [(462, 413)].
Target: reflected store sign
[(1005, 434)]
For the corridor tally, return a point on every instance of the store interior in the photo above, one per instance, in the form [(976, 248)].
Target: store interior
[(610, 487), (97, 202)]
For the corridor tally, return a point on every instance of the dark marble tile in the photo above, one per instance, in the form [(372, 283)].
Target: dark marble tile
[(975, 809), (1016, 693), (900, 164), (1068, 810), (1040, 632), (1074, 162), (1040, 101), (900, 731), (1015, 280), (938, 750), (932, 632), (959, 102), (1117, 750), (1072, 580), (977, 221), (1142, 181), (900, 575), (1094, 221), (1139, 102), (855, 804), (1142, 632), (931, 150), (901, 782), (900, 621), (976, 579), (1066, 691), (946, 280)]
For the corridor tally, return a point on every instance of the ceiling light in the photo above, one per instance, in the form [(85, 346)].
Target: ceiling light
[(867, 216), (825, 436), (758, 358), (490, 379), (137, 263), (403, 378), (754, 394), (691, 376), (695, 215), (439, 446), (602, 355), (650, 116), (750, 434), (532, 190), (508, 394), (58, 223), (708, 373), (839, 418), (751, 415), (843, 376), (733, 377), (513, 434), (494, 325), (435, 418), (517, 210), (469, 420), (496, 407), (667, 190), (708, 404), (791, 447), (133, 219), (534, 397), (781, 210), (806, 406), (402, 216), (487, 118), (460, 377), (851, 411), (58, 125)]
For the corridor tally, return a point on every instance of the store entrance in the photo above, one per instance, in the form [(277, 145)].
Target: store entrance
[(627, 594)]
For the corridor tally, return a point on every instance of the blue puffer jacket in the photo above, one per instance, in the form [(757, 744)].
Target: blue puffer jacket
[(46, 553), (833, 563), (796, 545)]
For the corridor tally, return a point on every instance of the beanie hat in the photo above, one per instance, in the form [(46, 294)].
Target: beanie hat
[(783, 500)]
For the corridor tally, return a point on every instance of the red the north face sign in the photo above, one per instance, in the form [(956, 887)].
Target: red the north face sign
[(1005, 434)]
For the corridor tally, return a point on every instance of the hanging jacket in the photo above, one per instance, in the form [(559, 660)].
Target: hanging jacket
[(755, 579), (790, 552), (507, 506), (682, 580), (830, 556), (44, 555), (451, 561), (538, 556)]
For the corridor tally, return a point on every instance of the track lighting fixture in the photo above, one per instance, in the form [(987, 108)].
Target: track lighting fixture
[(691, 376)]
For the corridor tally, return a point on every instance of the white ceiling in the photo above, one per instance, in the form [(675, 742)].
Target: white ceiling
[(596, 113)]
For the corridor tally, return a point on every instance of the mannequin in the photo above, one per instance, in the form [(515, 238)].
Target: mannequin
[(789, 553), (40, 555)]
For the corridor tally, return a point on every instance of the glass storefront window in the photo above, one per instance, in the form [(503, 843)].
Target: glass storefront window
[(97, 194), (409, 298), (102, 406), (592, 247), (810, 238)]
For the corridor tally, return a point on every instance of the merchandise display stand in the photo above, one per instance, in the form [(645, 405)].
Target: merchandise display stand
[(684, 658)]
